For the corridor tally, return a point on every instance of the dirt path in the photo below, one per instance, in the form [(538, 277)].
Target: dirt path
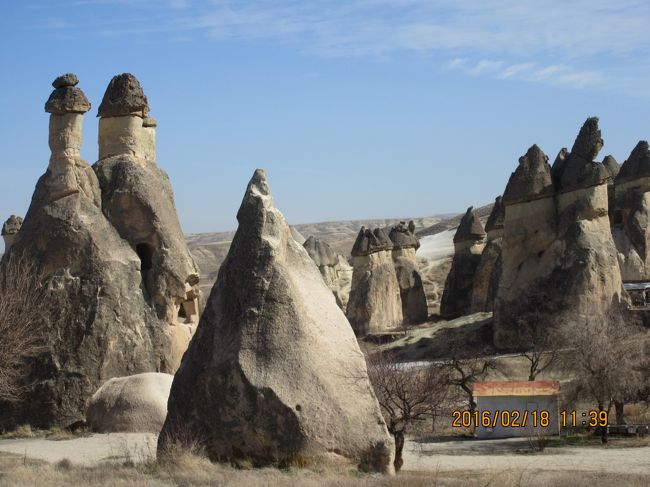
[(501, 455), (91, 450)]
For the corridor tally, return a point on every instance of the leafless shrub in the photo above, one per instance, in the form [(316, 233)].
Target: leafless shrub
[(542, 343), (22, 301), (406, 395), (463, 372), (606, 353)]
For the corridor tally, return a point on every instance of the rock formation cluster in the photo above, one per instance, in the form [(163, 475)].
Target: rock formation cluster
[(469, 242), (108, 241), (375, 297), (412, 295), (274, 374), (559, 262)]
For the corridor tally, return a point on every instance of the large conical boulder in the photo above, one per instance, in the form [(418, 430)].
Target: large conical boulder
[(97, 320), (469, 242), (274, 373)]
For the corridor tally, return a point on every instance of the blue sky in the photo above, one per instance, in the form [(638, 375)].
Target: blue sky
[(356, 109)]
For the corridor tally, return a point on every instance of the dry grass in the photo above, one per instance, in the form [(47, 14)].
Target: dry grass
[(192, 470)]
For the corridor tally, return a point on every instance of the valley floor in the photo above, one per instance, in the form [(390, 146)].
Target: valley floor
[(128, 460)]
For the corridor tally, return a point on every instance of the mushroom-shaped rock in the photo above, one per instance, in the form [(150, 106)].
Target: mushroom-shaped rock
[(124, 96), (367, 243), (274, 372), (133, 404), (403, 236), (66, 97), (531, 179)]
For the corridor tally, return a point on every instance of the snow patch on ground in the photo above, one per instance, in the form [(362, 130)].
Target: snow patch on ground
[(438, 246)]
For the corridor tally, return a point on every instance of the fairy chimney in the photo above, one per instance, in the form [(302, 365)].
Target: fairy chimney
[(9, 230)]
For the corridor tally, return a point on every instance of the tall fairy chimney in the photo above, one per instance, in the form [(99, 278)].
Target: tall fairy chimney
[(66, 106), (124, 125)]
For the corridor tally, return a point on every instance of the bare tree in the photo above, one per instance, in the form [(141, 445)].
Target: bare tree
[(22, 298), (406, 395), (542, 344), (605, 357), (463, 372)]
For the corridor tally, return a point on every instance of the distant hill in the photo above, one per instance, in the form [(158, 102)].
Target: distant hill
[(483, 212)]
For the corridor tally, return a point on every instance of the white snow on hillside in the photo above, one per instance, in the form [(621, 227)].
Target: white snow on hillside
[(438, 246)]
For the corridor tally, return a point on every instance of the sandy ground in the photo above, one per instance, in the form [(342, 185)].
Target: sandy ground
[(501, 455), (90, 450), (439, 456)]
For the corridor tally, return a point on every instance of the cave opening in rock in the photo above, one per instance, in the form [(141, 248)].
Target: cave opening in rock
[(145, 253)]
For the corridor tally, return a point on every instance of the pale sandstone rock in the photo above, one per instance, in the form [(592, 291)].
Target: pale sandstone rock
[(375, 303), (134, 404), (412, 295), (469, 242), (274, 372), (137, 198), (99, 316), (559, 259), (488, 272), (327, 262)]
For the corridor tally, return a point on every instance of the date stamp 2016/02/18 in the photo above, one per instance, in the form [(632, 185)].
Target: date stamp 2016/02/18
[(523, 419)]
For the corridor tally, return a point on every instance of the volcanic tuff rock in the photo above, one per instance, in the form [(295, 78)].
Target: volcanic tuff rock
[(327, 262), (98, 319), (274, 372), (9, 230), (469, 242), (558, 258), (488, 272), (135, 404), (531, 179), (375, 303), (66, 97), (631, 214), (138, 200), (413, 297)]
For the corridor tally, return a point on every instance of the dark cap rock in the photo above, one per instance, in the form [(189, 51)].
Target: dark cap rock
[(403, 237), (368, 242), (637, 164), (470, 227), (123, 96), (12, 225), (68, 79), (66, 97), (589, 141), (320, 252), (531, 179), (612, 166), (497, 216)]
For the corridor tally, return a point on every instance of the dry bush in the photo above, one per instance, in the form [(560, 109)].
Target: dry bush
[(22, 301)]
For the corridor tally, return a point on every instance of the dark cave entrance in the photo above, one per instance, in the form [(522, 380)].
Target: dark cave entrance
[(145, 253)]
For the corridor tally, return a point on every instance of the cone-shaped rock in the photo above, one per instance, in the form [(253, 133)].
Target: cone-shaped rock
[(531, 179), (469, 242), (488, 272), (274, 372), (631, 214), (328, 264)]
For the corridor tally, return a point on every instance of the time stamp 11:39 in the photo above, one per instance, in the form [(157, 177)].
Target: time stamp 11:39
[(522, 419)]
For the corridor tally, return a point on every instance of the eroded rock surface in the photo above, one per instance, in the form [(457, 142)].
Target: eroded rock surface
[(375, 303), (412, 294), (488, 272), (134, 404), (9, 230), (469, 242), (274, 372), (559, 259), (327, 262)]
